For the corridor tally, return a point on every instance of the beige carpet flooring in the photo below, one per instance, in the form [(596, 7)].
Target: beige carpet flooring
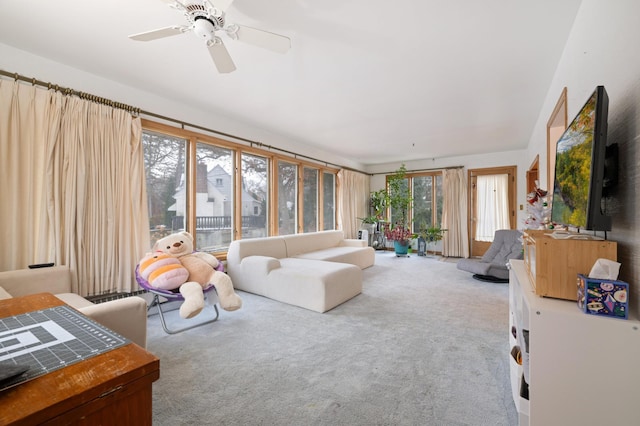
[(424, 344)]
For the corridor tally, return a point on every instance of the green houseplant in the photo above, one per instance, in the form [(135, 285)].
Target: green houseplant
[(369, 224), (399, 196), (399, 199), (431, 234), (379, 201)]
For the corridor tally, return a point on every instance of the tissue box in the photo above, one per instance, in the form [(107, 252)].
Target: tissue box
[(603, 297)]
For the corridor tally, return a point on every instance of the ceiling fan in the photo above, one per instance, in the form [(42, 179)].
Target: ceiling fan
[(205, 19)]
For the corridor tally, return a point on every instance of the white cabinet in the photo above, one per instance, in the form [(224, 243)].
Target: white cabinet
[(581, 369)]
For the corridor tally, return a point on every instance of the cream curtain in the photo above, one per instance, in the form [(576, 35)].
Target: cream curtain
[(24, 125), (77, 168), (492, 205), (353, 201), (454, 214)]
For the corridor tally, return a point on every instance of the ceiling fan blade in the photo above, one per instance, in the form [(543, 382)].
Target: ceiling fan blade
[(159, 33), (265, 39), (220, 56)]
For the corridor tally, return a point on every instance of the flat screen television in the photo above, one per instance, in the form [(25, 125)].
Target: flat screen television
[(581, 154)]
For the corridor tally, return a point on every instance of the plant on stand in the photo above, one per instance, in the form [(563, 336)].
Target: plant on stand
[(369, 224), (379, 201), (431, 235)]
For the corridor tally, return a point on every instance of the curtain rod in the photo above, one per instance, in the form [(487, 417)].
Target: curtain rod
[(135, 110), (69, 91), (419, 170)]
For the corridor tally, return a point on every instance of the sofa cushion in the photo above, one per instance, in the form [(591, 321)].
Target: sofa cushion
[(475, 266), (362, 257), (21, 282), (250, 274), (313, 284), (304, 243), (74, 300), (266, 246)]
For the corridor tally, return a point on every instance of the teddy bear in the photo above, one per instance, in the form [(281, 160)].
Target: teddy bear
[(165, 272), (202, 272)]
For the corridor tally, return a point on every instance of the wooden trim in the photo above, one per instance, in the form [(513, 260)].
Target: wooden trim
[(472, 174), (201, 137), (533, 174), (237, 202), (273, 206), (193, 138), (191, 171), (320, 196)]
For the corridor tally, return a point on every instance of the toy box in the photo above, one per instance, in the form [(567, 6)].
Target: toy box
[(603, 297)]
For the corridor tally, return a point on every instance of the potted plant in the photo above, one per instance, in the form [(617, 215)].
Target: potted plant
[(431, 234), (379, 202), (401, 237)]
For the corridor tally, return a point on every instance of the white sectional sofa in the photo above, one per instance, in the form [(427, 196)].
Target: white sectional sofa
[(316, 271)]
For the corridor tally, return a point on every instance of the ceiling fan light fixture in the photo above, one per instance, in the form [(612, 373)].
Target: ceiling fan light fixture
[(204, 28)]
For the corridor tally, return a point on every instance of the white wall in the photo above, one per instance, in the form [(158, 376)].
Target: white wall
[(32, 66), (602, 49)]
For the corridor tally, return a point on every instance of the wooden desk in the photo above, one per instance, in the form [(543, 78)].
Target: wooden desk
[(113, 388)]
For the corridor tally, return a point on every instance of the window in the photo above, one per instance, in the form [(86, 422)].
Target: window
[(329, 201), (213, 203), (220, 190), (287, 198), (310, 200), (164, 161), (255, 193), (427, 200)]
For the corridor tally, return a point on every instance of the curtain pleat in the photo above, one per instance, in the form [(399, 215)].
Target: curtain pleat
[(84, 188), (353, 196), (455, 242)]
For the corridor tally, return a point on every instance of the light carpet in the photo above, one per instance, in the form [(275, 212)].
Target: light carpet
[(424, 344)]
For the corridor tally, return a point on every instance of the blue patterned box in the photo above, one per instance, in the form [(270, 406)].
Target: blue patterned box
[(603, 297)]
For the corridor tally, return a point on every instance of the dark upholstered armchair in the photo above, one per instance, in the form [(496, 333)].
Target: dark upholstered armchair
[(507, 244)]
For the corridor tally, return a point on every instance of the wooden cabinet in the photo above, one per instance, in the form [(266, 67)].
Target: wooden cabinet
[(580, 369), (113, 388), (553, 264)]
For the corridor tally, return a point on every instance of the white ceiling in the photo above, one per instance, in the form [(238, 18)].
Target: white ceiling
[(375, 81)]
